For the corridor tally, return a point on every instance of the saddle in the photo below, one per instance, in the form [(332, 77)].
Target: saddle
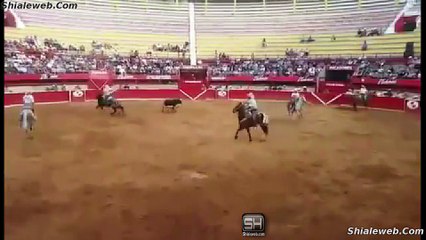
[(255, 117), (109, 100)]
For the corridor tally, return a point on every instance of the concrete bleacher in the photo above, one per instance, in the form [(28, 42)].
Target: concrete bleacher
[(345, 44), (127, 25), (283, 25), (340, 16), (222, 27)]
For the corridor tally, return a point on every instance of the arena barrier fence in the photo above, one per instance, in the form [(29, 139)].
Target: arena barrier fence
[(326, 99)]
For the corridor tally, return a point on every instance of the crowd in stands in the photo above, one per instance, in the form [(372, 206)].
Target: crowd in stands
[(48, 56), (297, 52), (171, 48), (379, 69), (139, 65), (305, 67), (266, 67)]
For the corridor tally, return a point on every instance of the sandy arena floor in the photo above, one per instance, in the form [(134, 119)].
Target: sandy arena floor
[(151, 175)]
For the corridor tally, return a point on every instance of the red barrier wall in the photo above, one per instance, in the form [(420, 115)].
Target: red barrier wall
[(42, 97), (325, 99)]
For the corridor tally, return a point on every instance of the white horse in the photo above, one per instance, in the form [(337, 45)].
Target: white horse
[(298, 105), (27, 120)]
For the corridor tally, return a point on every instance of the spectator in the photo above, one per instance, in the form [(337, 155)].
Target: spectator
[(333, 38), (264, 45), (364, 46)]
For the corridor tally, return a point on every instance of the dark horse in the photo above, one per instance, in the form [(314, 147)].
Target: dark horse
[(246, 121), (114, 104), (291, 107), (358, 100)]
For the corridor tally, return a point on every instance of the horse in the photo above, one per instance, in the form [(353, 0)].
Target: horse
[(114, 104), (298, 106), (246, 122), (27, 120), (358, 99), (171, 104), (291, 108)]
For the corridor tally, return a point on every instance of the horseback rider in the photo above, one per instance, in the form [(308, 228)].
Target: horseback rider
[(108, 93), (27, 109), (251, 105), (363, 93), (300, 100), (294, 96), (28, 101)]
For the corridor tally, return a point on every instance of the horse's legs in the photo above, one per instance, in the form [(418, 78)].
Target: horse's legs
[(236, 133), (115, 110), (249, 134)]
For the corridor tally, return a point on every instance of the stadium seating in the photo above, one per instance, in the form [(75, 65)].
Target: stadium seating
[(127, 25), (243, 27), (236, 30)]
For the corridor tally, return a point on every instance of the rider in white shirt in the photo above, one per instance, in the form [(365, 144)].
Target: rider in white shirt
[(363, 90), (28, 101), (108, 92), (295, 94), (251, 105), (27, 109)]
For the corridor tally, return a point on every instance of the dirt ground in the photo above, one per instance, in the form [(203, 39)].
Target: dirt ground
[(152, 175)]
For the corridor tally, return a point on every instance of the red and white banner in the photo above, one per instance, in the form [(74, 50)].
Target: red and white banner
[(222, 93), (248, 78), (401, 83), (77, 95)]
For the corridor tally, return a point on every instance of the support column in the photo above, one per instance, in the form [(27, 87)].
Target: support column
[(192, 34)]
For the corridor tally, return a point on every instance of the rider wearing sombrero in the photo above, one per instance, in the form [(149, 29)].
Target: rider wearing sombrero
[(251, 105), (294, 95)]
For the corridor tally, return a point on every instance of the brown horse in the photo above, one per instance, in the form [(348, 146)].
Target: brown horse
[(246, 121), (291, 107), (358, 100)]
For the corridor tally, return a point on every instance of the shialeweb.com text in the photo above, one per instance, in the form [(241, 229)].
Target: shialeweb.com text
[(12, 5), (384, 231)]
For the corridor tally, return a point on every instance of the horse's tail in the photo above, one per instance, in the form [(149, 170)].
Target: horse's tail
[(265, 119)]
